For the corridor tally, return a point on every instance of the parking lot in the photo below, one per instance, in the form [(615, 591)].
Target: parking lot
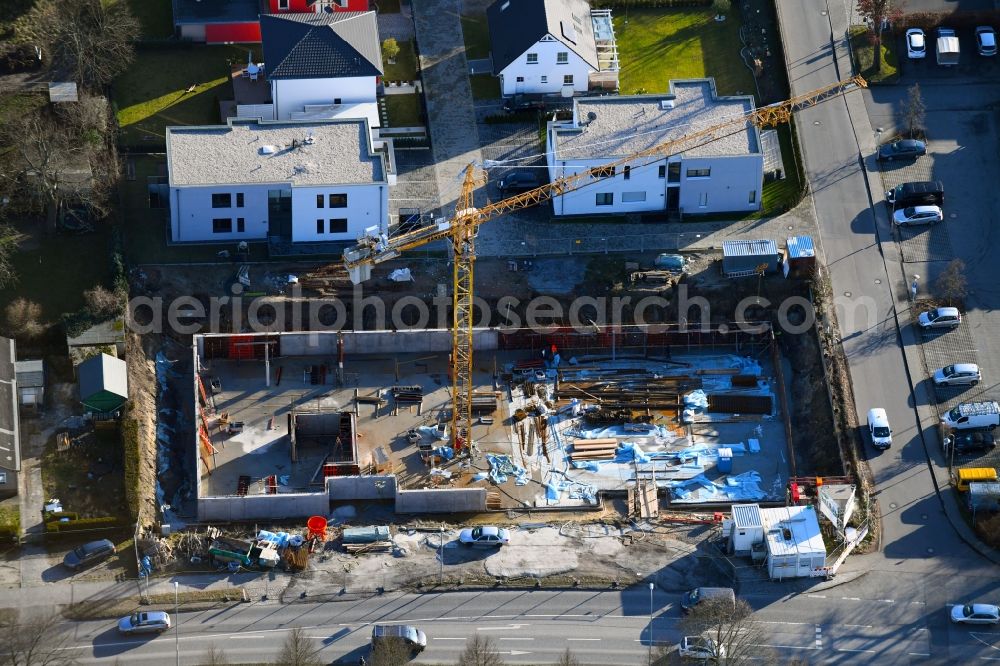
[(963, 130)]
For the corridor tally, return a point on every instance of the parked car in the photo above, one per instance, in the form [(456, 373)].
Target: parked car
[(916, 44), (878, 428), (984, 415), (913, 215), (521, 180), (940, 318), (917, 193), (724, 595), (986, 41), (89, 554), (700, 647), (975, 614), (958, 374), (485, 536), (149, 622), (410, 637), (967, 442), (902, 149)]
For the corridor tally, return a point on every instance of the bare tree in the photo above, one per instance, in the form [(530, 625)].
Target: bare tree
[(92, 41), (103, 304), (952, 285), (24, 319), (33, 639), (391, 653), (567, 658), (215, 657), (731, 628), (299, 650), (914, 111), (480, 651), (8, 248), (876, 13)]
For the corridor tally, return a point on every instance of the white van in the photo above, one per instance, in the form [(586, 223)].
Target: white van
[(973, 415), (878, 428)]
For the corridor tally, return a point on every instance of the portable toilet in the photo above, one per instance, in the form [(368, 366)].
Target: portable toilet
[(725, 465), (800, 257)]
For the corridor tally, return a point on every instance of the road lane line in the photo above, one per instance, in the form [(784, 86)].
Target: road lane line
[(860, 626), (816, 596), (505, 638), (786, 647), (819, 638), (583, 639), (445, 638), (919, 654), (851, 598), (850, 650)]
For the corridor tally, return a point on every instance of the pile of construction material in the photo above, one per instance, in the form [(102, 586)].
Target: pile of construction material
[(372, 539), (624, 390), (593, 449)]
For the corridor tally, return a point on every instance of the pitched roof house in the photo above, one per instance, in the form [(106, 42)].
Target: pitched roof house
[(552, 46), (103, 383), (238, 21)]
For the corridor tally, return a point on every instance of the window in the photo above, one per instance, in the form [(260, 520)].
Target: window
[(532, 58), (699, 173), (239, 200), (627, 171), (703, 200), (520, 79), (562, 58), (605, 198), (753, 197), (222, 201), (222, 225), (338, 201), (241, 224), (337, 100), (545, 79), (338, 225), (568, 80), (3, 477), (632, 197), (662, 171), (320, 226), (674, 172), (319, 200), (282, 4)]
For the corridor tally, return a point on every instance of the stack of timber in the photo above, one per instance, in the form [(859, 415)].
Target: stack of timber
[(628, 391), (593, 449), (408, 394)]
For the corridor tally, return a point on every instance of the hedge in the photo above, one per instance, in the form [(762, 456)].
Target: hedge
[(621, 4), (49, 516), (957, 20), (129, 432), (106, 522)]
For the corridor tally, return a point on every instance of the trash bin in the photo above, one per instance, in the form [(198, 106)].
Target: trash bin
[(725, 460)]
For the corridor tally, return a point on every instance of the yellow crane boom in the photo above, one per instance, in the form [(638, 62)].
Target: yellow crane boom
[(460, 231)]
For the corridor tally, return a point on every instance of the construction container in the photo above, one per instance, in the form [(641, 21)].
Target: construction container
[(747, 529), (984, 496), (372, 534), (741, 258), (725, 465), (800, 257)]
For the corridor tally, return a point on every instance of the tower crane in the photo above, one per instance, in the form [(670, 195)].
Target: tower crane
[(460, 231)]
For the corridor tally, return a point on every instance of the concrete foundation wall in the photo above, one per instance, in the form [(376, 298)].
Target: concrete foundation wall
[(361, 487), (447, 500), (260, 507), (381, 342), (307, 425)]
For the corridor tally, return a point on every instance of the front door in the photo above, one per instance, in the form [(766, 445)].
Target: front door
[(673, 199), (279, 213)]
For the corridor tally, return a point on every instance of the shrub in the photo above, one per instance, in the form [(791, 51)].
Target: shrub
[(24, 319), (56, 526), (129, 432)]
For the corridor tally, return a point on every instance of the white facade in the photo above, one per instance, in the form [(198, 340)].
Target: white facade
[(192, 216), (365, 206), (545, 73), (293, 95)]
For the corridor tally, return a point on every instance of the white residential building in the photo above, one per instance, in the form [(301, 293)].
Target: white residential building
[(290, 181), (552, 46), (701, 176)]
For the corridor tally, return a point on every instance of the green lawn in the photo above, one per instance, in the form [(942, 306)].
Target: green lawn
[(781, 195), (864, 53), (156, 17), (145, 231), (55, 271), (152, 94), (476, 33), (403, 110), (658, 45), (485, 86), (405, 68)]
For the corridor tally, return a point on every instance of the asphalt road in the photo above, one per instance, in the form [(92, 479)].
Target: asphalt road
[(848, 624)]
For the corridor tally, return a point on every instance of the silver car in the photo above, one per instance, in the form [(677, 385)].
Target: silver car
[(149, 622), (916, 44), (912, 215), (958, 374), (975, 614), (940, 318)]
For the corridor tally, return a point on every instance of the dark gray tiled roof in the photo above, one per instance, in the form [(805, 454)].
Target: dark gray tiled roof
[(321, 46), (515, 25)]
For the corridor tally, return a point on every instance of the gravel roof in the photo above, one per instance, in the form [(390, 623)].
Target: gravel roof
[(231, 154), (628, 124)]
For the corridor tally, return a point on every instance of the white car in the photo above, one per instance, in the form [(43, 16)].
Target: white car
[(878, 428), (912, 215), (975, 614), (986, 41), (916, 44), (484, 537), (700, 647), (940, 318), (958, 374)]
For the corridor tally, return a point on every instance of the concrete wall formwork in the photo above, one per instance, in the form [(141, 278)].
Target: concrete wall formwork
[(445, 500), (262, 507), (324, 343), (348, 488)]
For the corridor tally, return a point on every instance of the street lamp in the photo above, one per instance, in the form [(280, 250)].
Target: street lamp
[(650, 659), (177, 621)]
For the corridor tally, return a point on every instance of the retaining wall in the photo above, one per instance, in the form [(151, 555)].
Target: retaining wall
[(446, 500), (261, 507), (347, 488)]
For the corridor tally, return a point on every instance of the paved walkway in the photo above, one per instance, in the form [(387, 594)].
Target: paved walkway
[(399, 26), (444, 68)]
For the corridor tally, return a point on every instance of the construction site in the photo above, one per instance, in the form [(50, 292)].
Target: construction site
[(292, 422)]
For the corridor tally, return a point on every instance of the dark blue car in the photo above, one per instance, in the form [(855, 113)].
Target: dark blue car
[(902, 149)]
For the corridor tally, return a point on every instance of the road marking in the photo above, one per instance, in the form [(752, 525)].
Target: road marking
[(918, 603), (851, 598), (816, 596), (919, 654), (443, 638), (505, 638), (794, 624), (786, 647), (819, 638), (514, 653), (512, 626), (583, 639), (850, 650), (859, 626)]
